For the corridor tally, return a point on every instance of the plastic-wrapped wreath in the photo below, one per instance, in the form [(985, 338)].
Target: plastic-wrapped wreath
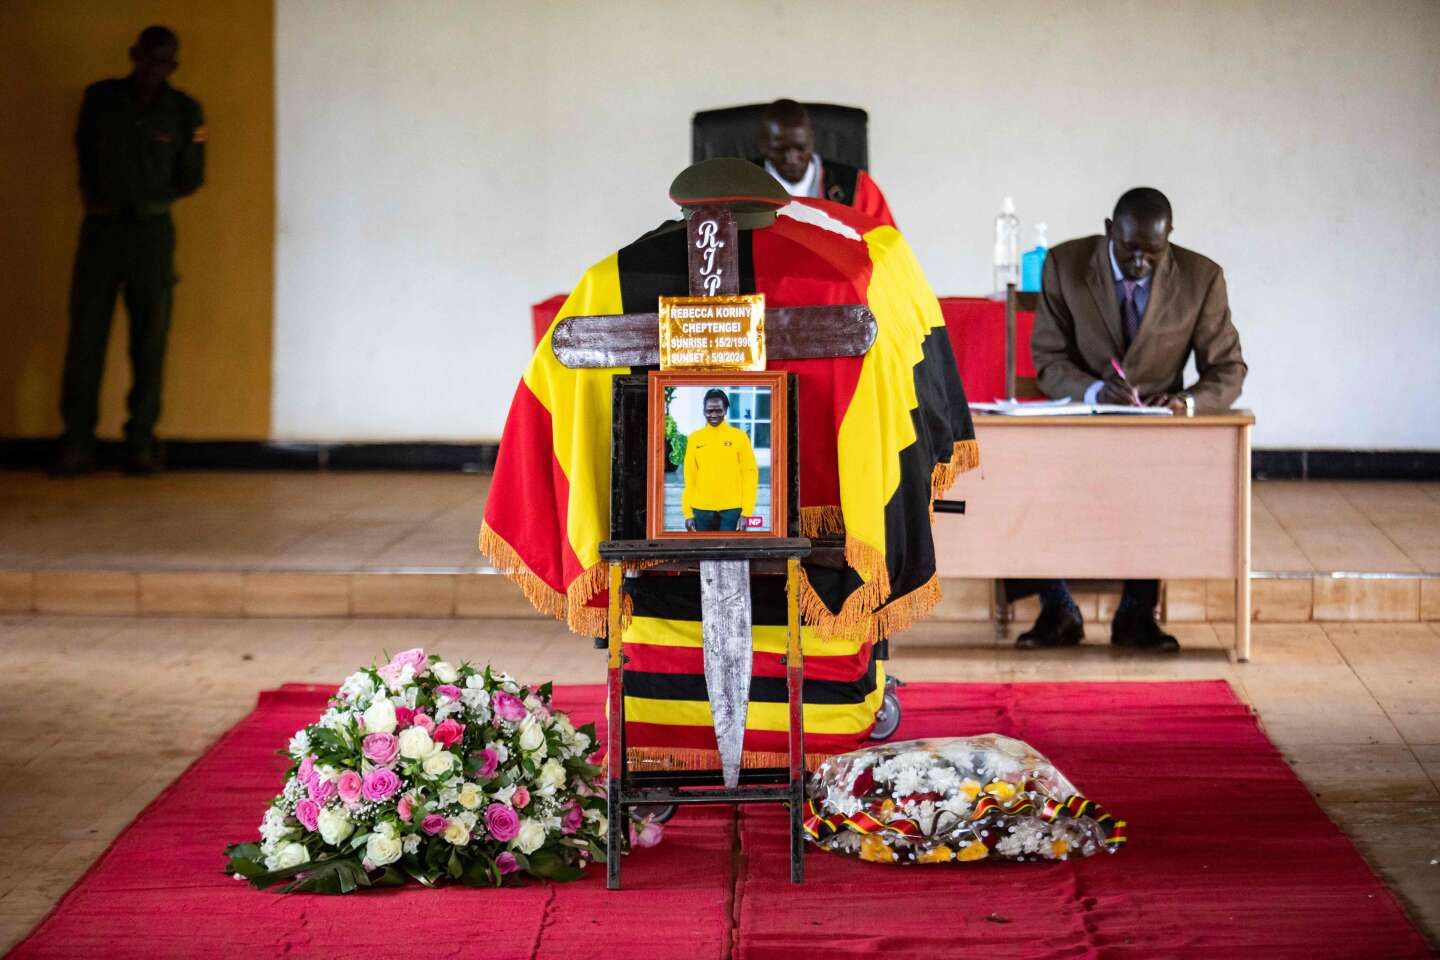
[(427, 771), (959, 799)]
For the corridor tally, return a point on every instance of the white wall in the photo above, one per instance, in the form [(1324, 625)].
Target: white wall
[(444, 164)]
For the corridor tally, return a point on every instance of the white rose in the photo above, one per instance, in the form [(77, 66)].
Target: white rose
[(530, 838), (470, 796), (438, 763), (415, 743), (299, 745), (444, 672), (456, 833), (380, 849), (334, 826), (552, 774), (380, 716), (291, 855), (532, 736)]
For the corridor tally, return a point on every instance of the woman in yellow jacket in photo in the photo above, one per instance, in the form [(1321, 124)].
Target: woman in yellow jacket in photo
[(721, 478)]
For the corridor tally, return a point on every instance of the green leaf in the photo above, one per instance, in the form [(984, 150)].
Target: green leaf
[(550, 865), (319, 876), (481, 872), (246, 859), (454, 867)]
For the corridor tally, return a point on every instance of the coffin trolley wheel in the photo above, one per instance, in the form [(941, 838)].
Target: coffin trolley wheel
[(887, 718)]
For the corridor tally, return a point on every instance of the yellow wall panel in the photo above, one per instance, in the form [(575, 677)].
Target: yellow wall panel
[(218, 365)]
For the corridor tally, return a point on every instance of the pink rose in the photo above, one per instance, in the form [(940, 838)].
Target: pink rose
[(647, 835), (489, 763), (433, 824), (320, 789), (448, 733), (507, 863), (424, 723), (382, 748), (449, 691), (573, 818), (414, 658), (404, 716), (502, 822), (306, 773), (349, 786), (507, 706), (308, 813), (380, 784), (520, 797), (405, 808)]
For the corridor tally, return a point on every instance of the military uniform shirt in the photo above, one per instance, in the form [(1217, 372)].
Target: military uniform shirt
[(138, 158)]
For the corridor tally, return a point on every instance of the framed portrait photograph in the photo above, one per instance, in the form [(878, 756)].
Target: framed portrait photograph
[(717, 454)]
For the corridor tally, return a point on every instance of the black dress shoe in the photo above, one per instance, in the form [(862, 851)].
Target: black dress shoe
[(1138, 629), (72, 461), (1056, 626), (142, 462)]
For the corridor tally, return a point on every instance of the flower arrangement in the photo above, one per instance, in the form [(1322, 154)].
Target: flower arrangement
[(960, 799), (422, 770)]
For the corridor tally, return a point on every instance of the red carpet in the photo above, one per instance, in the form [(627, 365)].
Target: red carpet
[(1228, 857)]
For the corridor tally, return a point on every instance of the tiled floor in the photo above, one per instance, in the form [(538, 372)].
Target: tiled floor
[(428, 521), (388, 545), (243, 521), (1355, 707)]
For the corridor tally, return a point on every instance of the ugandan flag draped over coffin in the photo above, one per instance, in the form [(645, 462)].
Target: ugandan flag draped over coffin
[(880, 437)]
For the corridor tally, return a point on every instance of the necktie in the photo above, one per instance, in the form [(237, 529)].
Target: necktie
[(1129, 314)]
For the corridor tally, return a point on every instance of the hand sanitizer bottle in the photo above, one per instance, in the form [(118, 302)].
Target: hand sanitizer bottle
[(1007, 248), (1034, 261)]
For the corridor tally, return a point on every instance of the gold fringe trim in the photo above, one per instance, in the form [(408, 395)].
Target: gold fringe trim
[(825, 521), (908, 610), (508, 562), (645, 759), (569, 606), (965, 457)]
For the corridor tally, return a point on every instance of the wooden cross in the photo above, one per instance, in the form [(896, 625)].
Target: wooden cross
[(791, 333)]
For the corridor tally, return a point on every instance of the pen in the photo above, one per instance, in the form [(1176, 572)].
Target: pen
[(1121, 370)]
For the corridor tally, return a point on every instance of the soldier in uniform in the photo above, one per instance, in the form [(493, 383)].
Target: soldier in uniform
[(141, 145)]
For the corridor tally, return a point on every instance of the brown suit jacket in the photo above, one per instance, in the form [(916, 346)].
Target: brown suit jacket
[(1077, 326)]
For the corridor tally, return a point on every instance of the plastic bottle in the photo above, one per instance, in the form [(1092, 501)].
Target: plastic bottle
[(1007, 247), (1034, 261)]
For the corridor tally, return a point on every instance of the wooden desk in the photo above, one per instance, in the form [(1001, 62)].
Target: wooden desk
[(1107, 497)]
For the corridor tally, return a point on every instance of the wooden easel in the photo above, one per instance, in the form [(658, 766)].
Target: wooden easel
[(630, 340)]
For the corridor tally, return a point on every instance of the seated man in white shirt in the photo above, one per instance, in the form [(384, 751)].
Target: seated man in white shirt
[(787, 144)]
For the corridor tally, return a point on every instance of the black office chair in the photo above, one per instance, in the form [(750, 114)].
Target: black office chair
[(840, 133)]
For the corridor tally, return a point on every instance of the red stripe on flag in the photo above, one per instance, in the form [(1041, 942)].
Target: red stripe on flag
[(653, 658), (678, 736), (529, 495), (796, 266)]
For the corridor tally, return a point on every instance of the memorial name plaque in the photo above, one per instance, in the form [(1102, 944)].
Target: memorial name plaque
[(713, 333)]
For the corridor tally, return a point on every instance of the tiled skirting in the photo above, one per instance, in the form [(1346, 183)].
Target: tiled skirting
[(1276, 597)]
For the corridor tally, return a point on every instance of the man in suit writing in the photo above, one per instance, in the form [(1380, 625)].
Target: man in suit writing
[(1118, 318)]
